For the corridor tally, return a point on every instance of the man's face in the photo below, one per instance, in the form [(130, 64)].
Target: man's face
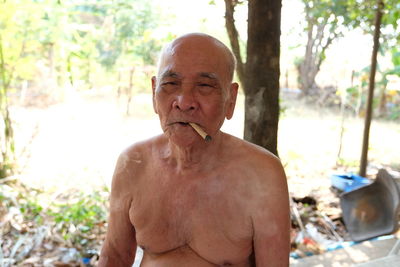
[(193, 86)]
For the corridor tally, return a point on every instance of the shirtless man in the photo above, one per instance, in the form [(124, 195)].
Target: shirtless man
[(190, 202)]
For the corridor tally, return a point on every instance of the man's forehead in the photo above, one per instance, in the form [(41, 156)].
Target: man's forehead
[(170, 73), (197, 52), (194, 42), (200, 47)]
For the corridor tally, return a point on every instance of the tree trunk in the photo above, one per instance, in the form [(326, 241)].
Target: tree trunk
[(69, 70), (320, 35), (259, 76), (382, 99), (234, 38), (368, 116), (262, 73), (308, 68), (129, 90), (6, 133)]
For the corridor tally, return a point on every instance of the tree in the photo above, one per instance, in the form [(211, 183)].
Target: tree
[(126, 33), (374, 17), (51, 44), (6, 134), (259, 74), (368, 117), (326, 20), (17, 48)]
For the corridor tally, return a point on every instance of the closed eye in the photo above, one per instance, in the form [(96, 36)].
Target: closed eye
[(169, 86), (205, 88), (206, 85), (169, 83)]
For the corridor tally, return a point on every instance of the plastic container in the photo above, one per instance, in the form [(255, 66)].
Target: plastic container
[(348, 182)]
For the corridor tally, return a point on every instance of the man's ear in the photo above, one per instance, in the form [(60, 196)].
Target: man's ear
[(233, 91), (153, 89)]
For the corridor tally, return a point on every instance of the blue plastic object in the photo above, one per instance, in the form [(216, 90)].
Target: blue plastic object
[(348, 182), (85, 260)]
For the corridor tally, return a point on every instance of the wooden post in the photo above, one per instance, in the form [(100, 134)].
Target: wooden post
[(368, 115)]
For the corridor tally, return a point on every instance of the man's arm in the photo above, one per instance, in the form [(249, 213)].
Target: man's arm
[(271, 218), (119, 247)]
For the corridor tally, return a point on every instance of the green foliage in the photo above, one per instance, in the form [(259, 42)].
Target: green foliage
[(77, 217), (84, 210), (395, 113), (19, 44), (325, 22), (336, 14), (395, 52), (51, 44), (32, 211), (349, 163), (342, 15), (127, 32), (20, 34), (357, 94), (80, 215), (333, 18), (362, 13), (6, 169)]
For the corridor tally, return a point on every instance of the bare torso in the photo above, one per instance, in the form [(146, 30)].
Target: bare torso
[(192, 217), (214, 213)]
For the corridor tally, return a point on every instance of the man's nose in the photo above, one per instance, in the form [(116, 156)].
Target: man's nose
[(186, 101)]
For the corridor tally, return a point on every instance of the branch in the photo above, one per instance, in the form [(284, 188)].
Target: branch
[(320, 34), (6, 84), (3, 89), (329, 41), (234, 37)]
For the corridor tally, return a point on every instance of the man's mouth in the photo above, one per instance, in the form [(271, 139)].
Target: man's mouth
[(197, 128)]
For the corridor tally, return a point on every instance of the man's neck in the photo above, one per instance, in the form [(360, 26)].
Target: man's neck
[(198, 156)]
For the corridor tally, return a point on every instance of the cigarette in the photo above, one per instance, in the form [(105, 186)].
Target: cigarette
[(200, 131)]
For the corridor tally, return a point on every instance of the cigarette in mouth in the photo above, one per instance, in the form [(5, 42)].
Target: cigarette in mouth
[(200, 131)]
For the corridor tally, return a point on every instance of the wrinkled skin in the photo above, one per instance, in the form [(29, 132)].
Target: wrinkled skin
[(188, 202)]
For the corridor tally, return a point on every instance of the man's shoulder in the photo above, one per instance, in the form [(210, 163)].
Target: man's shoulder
[(251, 152), (262, 165), (135, 158), (141, 149)]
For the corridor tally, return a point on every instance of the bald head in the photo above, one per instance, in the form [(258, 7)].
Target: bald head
[(198, 42)]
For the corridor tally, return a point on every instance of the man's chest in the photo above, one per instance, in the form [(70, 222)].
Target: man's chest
[(209, 216)]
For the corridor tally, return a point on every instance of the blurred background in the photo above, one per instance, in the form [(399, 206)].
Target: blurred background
[(75, 91)]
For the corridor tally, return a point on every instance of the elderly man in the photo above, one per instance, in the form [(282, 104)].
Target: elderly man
[(195, 196)]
